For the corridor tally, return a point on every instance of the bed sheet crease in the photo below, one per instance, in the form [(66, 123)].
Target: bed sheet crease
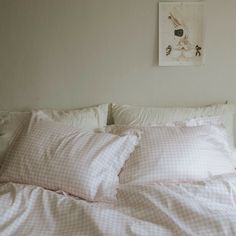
[(201, 208)]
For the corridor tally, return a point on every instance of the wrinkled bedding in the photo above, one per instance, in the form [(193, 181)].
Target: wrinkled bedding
[(201, 208)]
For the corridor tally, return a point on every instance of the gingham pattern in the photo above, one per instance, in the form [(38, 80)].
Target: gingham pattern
[(177, 154), (91, 118), (206, 208), (59, 157), (146, 116)]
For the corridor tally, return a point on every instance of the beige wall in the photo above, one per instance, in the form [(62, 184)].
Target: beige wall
[(73, 53)]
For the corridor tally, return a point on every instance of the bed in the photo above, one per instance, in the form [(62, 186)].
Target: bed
[(155, 171)]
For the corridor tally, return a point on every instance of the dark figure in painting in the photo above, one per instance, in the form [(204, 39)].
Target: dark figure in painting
[(179, 32), (168, 50), (198, 51)]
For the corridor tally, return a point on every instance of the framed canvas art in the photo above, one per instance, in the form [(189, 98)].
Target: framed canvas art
[(181, 33)]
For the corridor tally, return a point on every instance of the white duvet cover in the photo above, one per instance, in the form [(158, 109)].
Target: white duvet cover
[(201, 208)]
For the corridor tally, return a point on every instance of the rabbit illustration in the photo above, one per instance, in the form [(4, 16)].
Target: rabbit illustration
[(182, 49)]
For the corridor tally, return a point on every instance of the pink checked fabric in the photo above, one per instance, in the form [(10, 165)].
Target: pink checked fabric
[(60, 157), (176, 154), (205, 208)]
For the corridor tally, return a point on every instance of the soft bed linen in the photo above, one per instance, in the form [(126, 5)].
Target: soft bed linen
[(202, 208), (178, 153)]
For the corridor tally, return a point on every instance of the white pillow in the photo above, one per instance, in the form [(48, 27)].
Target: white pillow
[(90, 118), (10, 122), (86, 118), (144, 116), (176, 154), (234, 157), (59, 157)]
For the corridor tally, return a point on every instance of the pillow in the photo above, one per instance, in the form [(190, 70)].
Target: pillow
[(9, 123), (90, 118), (144, 116), (59, 157), (210, 120), (234, 156), (86, 118), (176, 154)]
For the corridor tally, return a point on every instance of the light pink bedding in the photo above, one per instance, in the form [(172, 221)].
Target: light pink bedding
[(201, 208)]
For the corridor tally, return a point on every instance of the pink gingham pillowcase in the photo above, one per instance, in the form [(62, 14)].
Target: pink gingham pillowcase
[(59, 157), (176, 154)]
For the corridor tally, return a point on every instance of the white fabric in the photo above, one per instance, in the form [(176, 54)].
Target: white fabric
[(143, 116), (206, 208), (209, 120), (9, 123), (176, 154), (90, 118), (86, 118), (234, 156), (60, 157)]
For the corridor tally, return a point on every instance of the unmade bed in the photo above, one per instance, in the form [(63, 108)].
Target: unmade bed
[(154, 171)]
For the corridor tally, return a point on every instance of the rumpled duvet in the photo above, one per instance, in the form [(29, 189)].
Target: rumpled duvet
[(201, 208)]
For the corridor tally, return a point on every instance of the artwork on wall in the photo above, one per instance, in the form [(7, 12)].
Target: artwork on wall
[(181, 33)]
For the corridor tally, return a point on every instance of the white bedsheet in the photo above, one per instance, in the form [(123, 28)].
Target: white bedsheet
[(203, 208)]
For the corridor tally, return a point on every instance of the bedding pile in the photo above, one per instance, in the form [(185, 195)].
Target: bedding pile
[(155, 171)]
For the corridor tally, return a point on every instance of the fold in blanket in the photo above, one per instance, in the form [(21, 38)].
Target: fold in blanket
[(201, 208)]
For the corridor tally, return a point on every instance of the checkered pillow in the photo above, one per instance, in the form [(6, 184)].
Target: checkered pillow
[(90, 118), (60, 157), (149, 116), (176, 154)]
